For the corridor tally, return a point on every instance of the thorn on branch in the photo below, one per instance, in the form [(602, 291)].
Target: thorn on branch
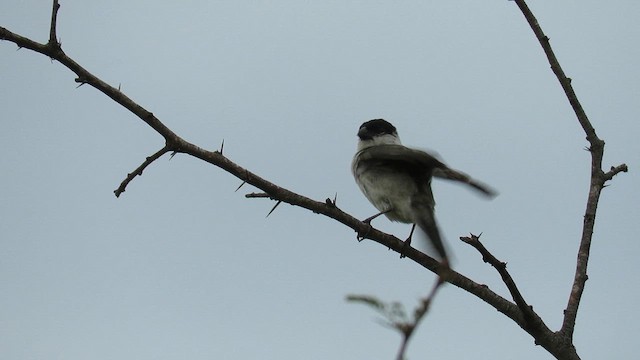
[(274, 207), (81, 81), (330, 202), (238, 188)]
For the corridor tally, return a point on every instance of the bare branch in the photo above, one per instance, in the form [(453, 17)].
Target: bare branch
[(138, 171), (529, 315), (23, 42), (255, 195), (598, 177), (615, 170), (565, 82), (85, 77), (555, 343), (53, 38)]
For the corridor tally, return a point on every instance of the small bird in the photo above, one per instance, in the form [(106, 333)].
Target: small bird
[(397, 180)]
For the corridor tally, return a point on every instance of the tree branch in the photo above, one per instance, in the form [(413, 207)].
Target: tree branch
[(598, 177), (418, 314), (615, 170), (565, 82), (138, 171), (53, 38), (534, 325), (501, 267)]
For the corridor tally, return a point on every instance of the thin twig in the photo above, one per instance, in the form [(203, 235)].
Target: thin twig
[(615, 170), (256, 195), (408, 329), (53, 37), (395, 317), (565, 82), (501, 267), (138, 171)]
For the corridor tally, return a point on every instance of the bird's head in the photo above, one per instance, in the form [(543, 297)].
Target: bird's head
[(377, 132)]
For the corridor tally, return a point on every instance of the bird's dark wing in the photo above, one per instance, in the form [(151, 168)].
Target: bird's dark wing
[(451, 174), (401, 158), (419, 163)]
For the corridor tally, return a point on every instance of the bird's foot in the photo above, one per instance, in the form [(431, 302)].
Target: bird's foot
[(361, 236), (407, 243), (406, 246)]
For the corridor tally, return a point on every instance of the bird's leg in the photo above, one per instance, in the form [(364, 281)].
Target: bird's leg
[(407, 243), (367, 221), (370, 218)]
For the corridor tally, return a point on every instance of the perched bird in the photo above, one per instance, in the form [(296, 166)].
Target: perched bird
[(397, 180)]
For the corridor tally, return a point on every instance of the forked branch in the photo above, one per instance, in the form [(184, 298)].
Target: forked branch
[(598, 177)]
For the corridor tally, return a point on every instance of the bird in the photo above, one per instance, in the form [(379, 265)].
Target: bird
[(397, 180)]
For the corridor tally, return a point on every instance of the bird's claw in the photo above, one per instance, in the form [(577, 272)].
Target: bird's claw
[(406, 245), (360, 236)]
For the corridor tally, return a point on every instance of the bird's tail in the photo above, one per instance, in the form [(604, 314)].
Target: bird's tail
[(426, 221)]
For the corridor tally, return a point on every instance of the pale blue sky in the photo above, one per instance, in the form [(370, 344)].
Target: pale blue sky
[(181, 267)]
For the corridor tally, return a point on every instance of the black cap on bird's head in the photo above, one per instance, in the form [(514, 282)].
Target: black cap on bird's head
[(376, 127)]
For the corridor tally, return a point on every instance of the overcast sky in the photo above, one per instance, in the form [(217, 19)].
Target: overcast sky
[(183, 267)]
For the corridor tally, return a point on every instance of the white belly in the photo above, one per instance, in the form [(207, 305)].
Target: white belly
[(390, 191)]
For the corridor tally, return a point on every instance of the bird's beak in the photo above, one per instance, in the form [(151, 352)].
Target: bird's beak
[(362, 132)]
